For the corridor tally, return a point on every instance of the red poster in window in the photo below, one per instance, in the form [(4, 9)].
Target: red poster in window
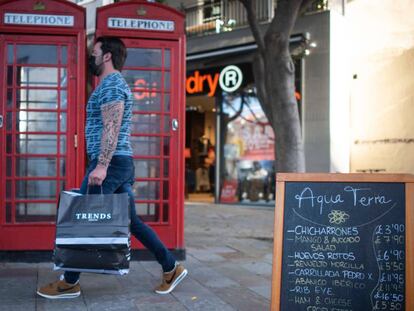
[(229, 192)]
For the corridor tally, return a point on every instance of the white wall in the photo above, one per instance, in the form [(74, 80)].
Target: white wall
[(382, 95), (339, 94)]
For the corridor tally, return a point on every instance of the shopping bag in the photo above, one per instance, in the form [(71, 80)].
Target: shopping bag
[(92, 233)]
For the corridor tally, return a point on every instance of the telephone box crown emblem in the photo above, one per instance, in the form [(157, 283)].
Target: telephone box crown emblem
[(39, 6), (141, 11)]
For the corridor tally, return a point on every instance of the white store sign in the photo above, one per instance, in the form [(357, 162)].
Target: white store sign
[(39, 19), (144, 24)]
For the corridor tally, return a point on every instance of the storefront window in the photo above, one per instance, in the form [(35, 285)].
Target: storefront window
[(247, 173)]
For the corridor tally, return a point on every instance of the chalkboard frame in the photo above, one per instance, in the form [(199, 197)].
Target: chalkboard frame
[(282, 178)]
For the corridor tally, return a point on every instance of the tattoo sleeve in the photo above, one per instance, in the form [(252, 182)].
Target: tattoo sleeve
[(111, 118)]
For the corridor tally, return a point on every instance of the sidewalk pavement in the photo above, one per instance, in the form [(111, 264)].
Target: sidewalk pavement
[(229, 260)]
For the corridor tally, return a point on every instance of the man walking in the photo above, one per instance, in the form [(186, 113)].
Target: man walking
[(109, 112)]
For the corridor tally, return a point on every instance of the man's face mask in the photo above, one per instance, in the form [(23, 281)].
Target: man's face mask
[(95, 69)]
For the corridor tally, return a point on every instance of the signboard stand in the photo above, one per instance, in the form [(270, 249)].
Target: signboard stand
[(343, 242)]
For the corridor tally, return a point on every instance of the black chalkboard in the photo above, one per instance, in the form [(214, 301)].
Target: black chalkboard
[(343, 246)]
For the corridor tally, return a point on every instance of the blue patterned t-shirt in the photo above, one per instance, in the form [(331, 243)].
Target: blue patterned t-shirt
[(112, 88)]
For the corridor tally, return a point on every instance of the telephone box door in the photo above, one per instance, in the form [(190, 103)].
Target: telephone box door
[(37, 136), (151, 73)]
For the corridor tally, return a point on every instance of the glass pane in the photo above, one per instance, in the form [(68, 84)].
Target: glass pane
[(9, 140), (63, 99), (143, 57), (37, 144), (166, 190), (37, 76), (36, 167), (9, 121), (36, 54), (167, 124), (9, 164), (167, 56), (145, 146), (8, 189), (166, 102), (166, 168), (63, 121), (141, 79), (35, 189), (9, 99), (64, 55), (63, 167), (62, 144), (147, 208), (147, 190), (145, 101), (147, 168), (8, 212), (165, 212), (167, 82), (166, 146), (29, 212), (63, 77), (145, 123), (9, 75), (36, 121), (10, 54), (36, 99)]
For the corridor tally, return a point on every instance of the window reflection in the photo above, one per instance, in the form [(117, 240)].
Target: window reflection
[(147, 190), (36, 54), (35, 189), (146, 123), (143, 79), (36, 99), (138, 57), (37, 76), (145, 145), (147, 168)]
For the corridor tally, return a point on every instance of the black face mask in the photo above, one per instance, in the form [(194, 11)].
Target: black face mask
[(95, 69)]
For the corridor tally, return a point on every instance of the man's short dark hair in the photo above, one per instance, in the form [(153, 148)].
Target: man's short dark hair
[(116, 47)]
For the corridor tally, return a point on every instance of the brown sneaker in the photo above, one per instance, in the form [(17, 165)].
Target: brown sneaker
[(60, 289), (171, 279)]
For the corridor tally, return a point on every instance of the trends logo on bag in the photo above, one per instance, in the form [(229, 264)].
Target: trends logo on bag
[(93, 216)]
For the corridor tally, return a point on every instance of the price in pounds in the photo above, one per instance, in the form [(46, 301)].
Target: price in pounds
[(390, 239), (392, 266), (387, 305), (389, 297), (390, 229), (394, 254), (392, 277)]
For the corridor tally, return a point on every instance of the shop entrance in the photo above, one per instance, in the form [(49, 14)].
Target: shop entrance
[(37, 137), (200, 148)]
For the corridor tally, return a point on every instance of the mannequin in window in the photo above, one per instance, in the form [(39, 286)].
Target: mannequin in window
[(202, 177), (203, 145)]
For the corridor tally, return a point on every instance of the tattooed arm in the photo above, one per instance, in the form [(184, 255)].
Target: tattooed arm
[(112, 118)]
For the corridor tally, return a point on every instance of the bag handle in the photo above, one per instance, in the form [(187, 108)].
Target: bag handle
[(89, 186)]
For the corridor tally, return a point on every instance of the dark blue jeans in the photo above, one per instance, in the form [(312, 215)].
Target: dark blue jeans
[(119, 179)]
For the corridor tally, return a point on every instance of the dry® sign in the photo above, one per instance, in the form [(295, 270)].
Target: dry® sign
[(229, 79)]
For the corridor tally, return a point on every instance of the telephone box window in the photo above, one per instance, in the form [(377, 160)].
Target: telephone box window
[(37, 54), (143, 58)]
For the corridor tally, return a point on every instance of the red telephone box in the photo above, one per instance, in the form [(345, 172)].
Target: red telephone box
[(155, 71), (42, 92)]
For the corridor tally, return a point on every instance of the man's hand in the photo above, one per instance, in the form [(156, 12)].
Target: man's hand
[(97, 176)]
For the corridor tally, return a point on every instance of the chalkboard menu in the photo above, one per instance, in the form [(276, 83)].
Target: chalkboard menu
[(343, 246)]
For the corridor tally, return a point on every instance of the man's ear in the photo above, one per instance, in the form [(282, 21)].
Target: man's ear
[(107, 57)]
